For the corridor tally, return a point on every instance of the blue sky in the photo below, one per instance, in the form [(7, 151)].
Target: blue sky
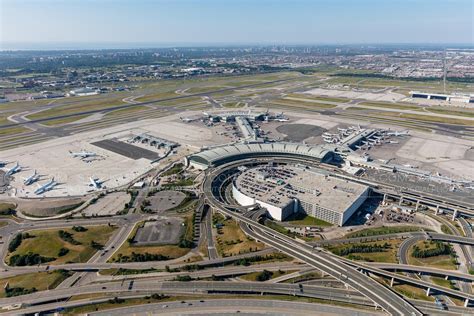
[(232, 21)]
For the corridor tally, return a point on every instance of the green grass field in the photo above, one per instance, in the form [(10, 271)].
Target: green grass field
[(106, 101), (389, 255), (275, 274), (376, 231), (63, 121), (310, 97), (231, 240), (466, 113), (41, 281), (306, 220), (48, 243), (389, 105), (6, 207), (442, 261), (443, 282)]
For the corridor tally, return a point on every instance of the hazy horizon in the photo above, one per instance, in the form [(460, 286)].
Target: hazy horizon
[(53, 46), (88, 24)]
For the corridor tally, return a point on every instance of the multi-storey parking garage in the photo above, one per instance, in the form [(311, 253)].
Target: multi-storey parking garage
[(284, 190)]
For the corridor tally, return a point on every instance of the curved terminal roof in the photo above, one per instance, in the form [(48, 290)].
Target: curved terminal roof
[(224, 154)]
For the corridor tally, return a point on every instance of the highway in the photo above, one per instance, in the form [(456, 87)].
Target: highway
[(466, 227), (143, 287), (211, 247), (232, 306)]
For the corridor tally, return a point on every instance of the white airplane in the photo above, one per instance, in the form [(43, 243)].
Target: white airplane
[(31, 179), (96, 183), (343, 130), (186, 119), (16, 168), (83, 154), (397, 133), (330, 140), (46, 187)]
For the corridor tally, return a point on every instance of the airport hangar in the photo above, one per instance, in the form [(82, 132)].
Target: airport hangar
[(286, 190)]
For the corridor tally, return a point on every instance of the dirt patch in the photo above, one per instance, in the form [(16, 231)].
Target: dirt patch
[(48, 207)]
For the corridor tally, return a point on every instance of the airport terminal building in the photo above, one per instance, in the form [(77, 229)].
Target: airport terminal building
[(228, 153), (284, 190)]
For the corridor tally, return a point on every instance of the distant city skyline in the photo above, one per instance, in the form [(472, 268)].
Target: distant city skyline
[(75, 24)]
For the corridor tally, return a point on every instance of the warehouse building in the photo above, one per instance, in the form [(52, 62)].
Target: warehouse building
[(284, 190)]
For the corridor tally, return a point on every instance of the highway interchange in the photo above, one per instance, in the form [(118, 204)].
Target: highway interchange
[(364, 289)]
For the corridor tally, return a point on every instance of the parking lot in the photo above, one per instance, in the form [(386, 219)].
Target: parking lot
[(165, 200), (160, 232)]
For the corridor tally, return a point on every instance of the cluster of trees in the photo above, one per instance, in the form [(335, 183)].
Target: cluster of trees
[(156, 296), (96, 245), (361, 249), (63, 252), (116, 300), (141, 257), (248, 261), (17, 291), (79, 229), (264, 276), (133, 196), (66, 236), (183, 278), (185, 243), (145, 206), (16, 241), (440, 249), (29, 259)]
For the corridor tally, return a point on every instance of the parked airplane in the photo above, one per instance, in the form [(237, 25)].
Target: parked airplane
[(16, 168), (330, 140), (282, 119), (31, 179), (46, 187), (279, 117), (186, 119), (82, 154), (397, 133), (96, 183)]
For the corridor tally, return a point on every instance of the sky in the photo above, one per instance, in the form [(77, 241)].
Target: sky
[(162, 22)]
